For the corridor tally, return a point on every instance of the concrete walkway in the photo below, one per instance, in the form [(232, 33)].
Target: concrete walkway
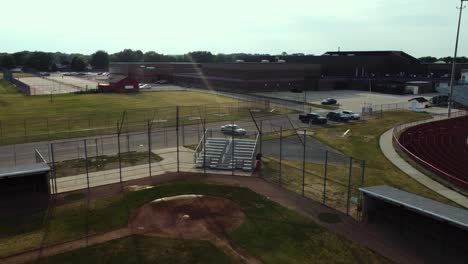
[(389, 151), (168, 164)]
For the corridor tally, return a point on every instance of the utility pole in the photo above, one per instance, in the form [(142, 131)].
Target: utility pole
[(452, 78)]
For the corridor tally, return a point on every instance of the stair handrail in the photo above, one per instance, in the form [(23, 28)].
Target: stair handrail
[(199, 149)]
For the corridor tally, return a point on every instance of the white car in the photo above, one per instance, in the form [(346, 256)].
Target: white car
[(233, 129), (351, 114)]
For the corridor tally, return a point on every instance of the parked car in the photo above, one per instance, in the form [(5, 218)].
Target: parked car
[(296, 90), (312, 118), (352, 115), (329, 101), (233, 129), (162, 82), (439, 100), (338, 116)]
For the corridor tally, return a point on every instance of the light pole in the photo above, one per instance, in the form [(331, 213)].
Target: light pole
[(452, 78)]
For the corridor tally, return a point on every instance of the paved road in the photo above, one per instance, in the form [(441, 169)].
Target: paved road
[(293, 149), (135, 141)]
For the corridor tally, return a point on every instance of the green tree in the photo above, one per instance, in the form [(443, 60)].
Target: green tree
[(78, 63), (427, 59), (100, 60), (458, 60), (152, 56), (127, 55), (21, 57), (8, 62), (200, 56), (39, 60)]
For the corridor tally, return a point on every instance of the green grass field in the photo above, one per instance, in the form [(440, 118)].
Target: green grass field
[(141, 250), (272, 233), (363, 142), (37, 118), (336, 185)]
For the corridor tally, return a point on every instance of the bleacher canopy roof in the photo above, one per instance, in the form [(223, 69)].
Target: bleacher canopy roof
[(436, 210), (24, 170)]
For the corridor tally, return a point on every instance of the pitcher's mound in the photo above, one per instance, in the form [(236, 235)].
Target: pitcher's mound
[(188, 216)]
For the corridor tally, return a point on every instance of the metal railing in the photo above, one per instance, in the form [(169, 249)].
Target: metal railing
[(398, 130)]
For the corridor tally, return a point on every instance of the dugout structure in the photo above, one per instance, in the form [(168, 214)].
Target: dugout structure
[(439, 230), (24, 180)]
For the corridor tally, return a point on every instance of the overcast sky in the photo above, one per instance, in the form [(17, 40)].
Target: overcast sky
[(417, 27)]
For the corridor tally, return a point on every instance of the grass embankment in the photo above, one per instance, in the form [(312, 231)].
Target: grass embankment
[(363, 143), (336, 185), (37, 118), (103, 162), (270, 232)]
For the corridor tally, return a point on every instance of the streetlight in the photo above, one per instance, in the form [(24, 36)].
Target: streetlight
[(450, 103)]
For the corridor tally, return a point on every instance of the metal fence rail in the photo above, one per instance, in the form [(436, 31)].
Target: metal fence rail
[(148, 149)]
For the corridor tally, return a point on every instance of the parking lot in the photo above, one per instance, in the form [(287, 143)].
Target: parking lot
[(347, 99)]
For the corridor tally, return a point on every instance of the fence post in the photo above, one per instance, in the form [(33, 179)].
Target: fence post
[(86, 162), (325, 178), (54, 173), (280, 155), (118, 149), (128, 142), (233, 162), (198, 130), (349, 185), (25, 131), (1, 132), (48, 130), (97, 151), (303, 163), (14, 151), (69, 129), (149, 147), (177, 136), (204, 147), (183, 133), (261, 135), (363, 166)]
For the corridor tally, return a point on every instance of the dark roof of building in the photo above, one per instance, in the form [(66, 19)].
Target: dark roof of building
[(152, 63), (419, 99), (373, 53), (419, 204), (24, 170)]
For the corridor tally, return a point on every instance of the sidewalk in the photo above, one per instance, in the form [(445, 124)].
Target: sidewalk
[(168, 164), (388, 150)]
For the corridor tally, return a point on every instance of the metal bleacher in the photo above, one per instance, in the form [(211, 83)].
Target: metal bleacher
[(228, 153)]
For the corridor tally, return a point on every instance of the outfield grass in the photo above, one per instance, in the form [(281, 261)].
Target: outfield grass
[(270, 232), (363, 143), (141, 249), (37, 118)]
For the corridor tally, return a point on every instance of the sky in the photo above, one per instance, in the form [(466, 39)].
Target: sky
[(420, 28)]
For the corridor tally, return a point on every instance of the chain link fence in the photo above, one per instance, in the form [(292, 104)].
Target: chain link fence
[(298, 162), (148, 146)]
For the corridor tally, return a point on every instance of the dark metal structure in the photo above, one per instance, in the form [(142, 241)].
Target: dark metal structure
[(439, 229)]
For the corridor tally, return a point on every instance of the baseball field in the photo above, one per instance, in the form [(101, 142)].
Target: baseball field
[(179, 223)]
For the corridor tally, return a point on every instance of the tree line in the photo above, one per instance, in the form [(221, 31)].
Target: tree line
[(49, 61), (429, 59), (99, 60)]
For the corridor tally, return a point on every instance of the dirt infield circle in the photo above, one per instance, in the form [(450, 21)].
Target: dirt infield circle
[(188, 216)]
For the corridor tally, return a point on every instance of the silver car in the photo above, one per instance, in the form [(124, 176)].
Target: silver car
[(233, 129), (351, 114)]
